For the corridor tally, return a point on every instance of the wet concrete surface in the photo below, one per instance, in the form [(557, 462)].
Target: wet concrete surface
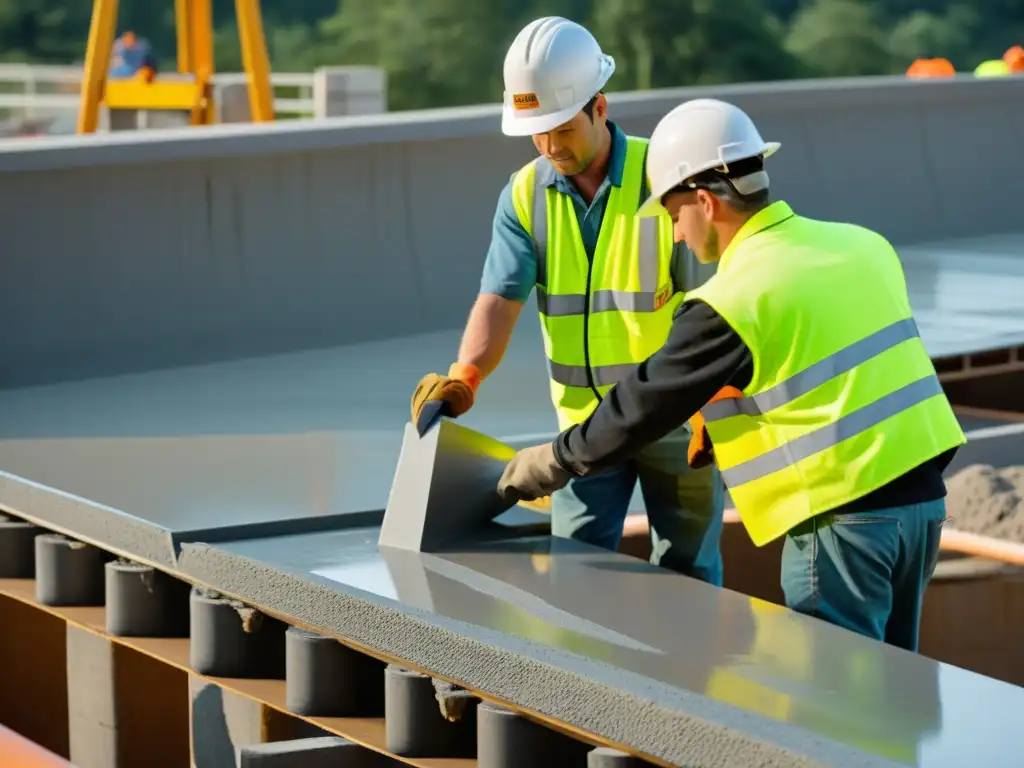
[(546, 623), (150, 462), (966, 293)]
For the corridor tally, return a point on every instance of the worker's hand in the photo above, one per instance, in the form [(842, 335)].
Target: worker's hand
[(532, 474), (700, 452), (457, 390)]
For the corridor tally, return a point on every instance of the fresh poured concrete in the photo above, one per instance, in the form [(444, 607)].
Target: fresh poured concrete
[(683, 671)]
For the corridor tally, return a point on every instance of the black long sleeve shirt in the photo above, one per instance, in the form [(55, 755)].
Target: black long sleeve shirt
[(701, 355)]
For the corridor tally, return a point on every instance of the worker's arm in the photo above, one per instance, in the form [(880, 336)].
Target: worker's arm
[(701, 355), (488, 331), (509, 276)]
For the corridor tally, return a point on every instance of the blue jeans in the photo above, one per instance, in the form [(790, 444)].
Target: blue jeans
[(865, 571), (684, 508)]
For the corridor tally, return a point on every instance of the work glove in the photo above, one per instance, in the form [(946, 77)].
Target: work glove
[(457, 390), (532, 474), (700, 452)]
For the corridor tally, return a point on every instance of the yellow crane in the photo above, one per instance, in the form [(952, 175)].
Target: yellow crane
[(193, 92)]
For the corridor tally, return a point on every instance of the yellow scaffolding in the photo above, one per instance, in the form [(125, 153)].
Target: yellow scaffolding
[(194, 28)]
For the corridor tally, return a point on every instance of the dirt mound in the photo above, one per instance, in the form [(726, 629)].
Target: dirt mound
[(988, 501)]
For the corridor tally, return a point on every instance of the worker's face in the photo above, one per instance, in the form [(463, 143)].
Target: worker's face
[(693, 222), (572, 146)]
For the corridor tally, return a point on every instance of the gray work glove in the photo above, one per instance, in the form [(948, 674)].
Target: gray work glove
[(532, 474)]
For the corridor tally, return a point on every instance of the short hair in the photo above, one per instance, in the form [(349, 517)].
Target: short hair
[(588, 108), (727, 183)]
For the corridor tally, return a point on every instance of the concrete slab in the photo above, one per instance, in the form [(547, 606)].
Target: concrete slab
[(445, 486), (683, 671), (144, 496), (966, 293)]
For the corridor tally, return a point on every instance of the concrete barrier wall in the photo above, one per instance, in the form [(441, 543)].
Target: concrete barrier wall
[(128, 252)]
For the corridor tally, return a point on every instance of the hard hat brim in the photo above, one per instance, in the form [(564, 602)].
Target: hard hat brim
[(652, 205), (511, 125)]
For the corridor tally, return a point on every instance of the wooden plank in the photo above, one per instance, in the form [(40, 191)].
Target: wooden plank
[(367, 732)]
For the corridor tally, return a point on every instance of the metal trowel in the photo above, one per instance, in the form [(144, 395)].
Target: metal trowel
[(430, 414)]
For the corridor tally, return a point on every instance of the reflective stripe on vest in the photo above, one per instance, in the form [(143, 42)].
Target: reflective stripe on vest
[(809, 379), (594, 341), (844, 397)]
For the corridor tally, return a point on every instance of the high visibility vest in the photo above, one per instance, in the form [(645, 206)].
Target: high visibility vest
[(844, 397), (992, 68), (599, 318)]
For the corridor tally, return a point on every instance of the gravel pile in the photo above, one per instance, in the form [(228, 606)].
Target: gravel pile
[(988, 501)]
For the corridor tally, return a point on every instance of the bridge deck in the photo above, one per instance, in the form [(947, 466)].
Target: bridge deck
[(236, 454)]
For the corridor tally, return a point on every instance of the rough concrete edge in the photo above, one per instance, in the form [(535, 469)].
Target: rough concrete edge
[(87, 521), (527, 674)]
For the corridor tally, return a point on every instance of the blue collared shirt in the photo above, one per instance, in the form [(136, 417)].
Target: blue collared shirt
[(510, 270)]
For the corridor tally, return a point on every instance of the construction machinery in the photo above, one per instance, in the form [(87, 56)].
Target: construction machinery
[(191, 90)]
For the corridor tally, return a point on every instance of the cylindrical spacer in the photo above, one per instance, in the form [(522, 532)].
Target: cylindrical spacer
[(324, 678), (68, 572), (17, 548), (413, 723), (229, 639), (506, 739), (145, 602), (606, 757)]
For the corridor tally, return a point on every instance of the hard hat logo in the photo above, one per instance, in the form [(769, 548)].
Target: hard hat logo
[(552, 69), (521, 101)]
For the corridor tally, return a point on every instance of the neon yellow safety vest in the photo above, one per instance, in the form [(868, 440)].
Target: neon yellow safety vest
[(844, 397), (992, 68), (601, 318)]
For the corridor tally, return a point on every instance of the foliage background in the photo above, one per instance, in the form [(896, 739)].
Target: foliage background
[(449, 52)]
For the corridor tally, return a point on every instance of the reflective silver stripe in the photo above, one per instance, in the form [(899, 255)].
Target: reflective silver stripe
[(576, 375), (831, 435), (567, 304), (648, 258), (563, 305), (814, 376), (540, 223), (622, 301)]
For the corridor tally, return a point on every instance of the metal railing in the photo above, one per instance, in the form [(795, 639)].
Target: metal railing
[(32, 90)]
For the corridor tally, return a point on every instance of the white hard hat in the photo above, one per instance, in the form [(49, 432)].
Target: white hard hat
[(697, 136), (552, 69)]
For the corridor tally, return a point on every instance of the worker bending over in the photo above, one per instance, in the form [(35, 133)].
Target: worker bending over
[(607, 285), (841, 431)]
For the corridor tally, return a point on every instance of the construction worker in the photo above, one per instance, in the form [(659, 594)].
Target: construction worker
[(841, 431), (132, 57), (607, 285)]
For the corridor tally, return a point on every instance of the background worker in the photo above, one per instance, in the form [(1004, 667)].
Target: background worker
[(607, 284), (842, 432), (132, 57)]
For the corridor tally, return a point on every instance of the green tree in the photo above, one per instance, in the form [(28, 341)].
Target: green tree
[(924, 35), (442, 52), (839, 38), (690, 42), (43, 30)]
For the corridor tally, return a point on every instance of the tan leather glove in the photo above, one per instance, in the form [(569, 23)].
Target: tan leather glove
[(532, 474), (700, 452), (457, 390)]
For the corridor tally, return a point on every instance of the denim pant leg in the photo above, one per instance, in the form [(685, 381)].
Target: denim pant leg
[(840, 569), (864, 571), (922, 531), (593, 509), (684, 509)]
